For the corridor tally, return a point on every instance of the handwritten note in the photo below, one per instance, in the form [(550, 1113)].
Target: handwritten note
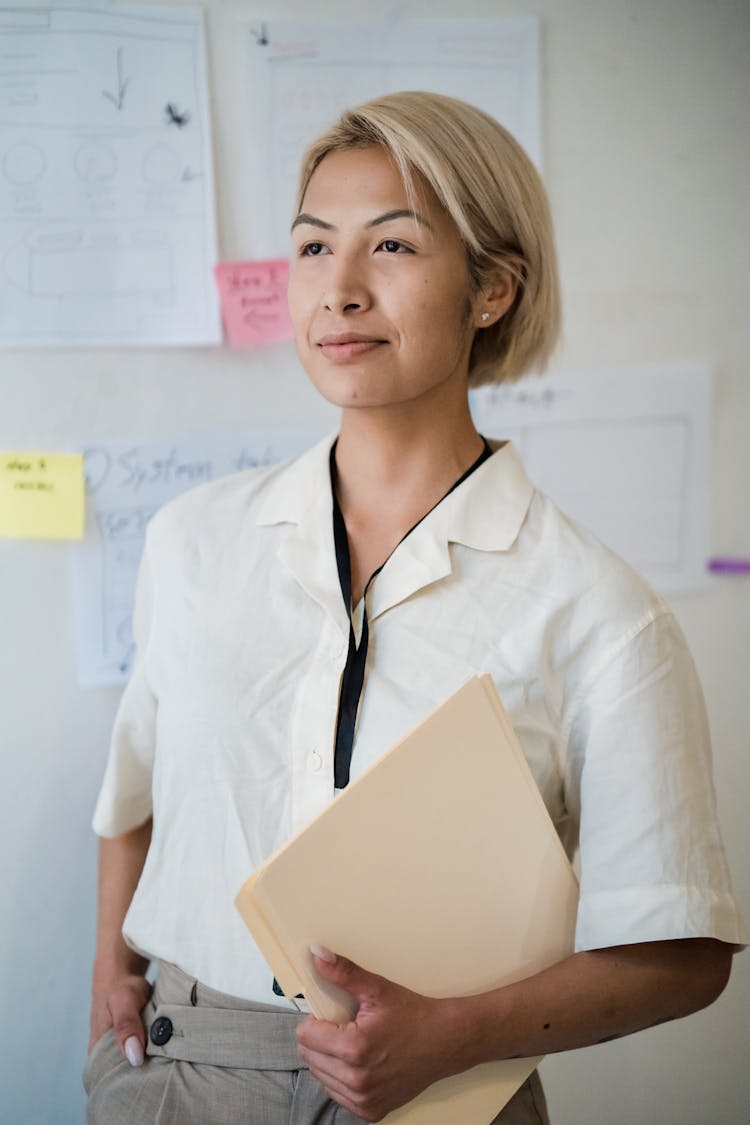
[(41, 495), (253, 301)]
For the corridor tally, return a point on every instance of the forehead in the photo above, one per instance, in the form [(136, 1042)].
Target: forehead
[(367, 181)]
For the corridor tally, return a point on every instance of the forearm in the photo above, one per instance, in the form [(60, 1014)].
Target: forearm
[(119, 988), (121, 861), (589, 998), (400, 1042)]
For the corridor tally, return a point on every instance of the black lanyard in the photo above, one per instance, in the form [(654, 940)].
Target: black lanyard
[(356, 658)]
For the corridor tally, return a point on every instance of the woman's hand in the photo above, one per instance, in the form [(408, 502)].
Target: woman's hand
[(398, 1043), (119, 1005)]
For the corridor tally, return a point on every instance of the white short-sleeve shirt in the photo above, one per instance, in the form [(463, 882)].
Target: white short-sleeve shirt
[(226, 729)]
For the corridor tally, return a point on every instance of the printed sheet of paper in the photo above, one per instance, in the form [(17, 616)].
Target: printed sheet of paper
[(253, 301), (627, 452), (127, 482), (41, 495), (107, 229), (302, 75)]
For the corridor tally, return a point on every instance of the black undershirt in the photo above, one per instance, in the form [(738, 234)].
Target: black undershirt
[(356, 659)]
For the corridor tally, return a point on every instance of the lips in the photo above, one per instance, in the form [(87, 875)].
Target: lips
[(340, 347)]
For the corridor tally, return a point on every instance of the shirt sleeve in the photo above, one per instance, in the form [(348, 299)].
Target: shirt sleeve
[(652, 861), (124, 800)]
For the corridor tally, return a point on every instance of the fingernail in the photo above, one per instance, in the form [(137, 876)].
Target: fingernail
[(134, 1051), (323, 953)]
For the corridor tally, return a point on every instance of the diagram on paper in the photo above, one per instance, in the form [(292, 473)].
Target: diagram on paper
[(107, 232)]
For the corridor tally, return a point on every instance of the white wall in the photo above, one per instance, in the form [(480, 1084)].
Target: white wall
[(647, 164)]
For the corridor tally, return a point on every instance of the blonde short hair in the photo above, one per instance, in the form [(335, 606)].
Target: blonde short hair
[(495, 196)]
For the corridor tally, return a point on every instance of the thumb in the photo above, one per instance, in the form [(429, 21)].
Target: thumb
[(125, 1004), (355, 980)]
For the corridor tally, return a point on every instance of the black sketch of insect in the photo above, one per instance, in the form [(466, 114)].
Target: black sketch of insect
[(173, 116), (260, 35)]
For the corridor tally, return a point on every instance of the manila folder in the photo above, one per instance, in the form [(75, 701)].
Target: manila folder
[(438, 868)]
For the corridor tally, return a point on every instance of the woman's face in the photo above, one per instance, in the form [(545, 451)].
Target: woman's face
[(379, 294)]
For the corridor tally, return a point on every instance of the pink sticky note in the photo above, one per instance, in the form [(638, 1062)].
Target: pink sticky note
[(253, 301)]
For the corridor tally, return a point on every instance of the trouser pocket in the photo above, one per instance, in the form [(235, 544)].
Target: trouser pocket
[(101, 1056)]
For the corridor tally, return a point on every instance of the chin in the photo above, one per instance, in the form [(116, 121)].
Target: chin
[(343, 388)]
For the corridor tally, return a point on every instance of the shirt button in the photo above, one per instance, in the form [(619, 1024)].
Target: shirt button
[(315, 762), (161, 1030)]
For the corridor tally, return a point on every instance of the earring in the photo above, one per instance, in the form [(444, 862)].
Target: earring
[(485, 316)]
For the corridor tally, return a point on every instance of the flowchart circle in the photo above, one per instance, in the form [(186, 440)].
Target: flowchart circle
[(95, 161)]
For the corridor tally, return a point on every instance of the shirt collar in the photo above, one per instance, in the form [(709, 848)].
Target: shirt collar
[(484, 513), (298, 487), (300, 496)]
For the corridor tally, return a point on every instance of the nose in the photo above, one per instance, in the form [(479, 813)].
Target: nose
[(346, 290)]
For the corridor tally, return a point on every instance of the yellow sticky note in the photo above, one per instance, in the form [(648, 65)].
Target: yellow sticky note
[(42, 495)]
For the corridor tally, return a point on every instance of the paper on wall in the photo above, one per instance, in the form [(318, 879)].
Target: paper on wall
[(41, 495), (253, 301), (626, 451), (107, 229), (127, 482), (302, 75)]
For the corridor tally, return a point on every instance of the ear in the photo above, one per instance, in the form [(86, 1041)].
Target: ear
[(494, 299)]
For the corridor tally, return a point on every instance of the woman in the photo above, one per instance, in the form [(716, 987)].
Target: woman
[(293, 622)]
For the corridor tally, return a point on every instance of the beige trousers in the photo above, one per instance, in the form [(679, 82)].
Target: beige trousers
[(215, 1060)]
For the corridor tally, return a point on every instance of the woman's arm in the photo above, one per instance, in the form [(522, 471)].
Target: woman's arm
[(119, 988), (400, 1042)]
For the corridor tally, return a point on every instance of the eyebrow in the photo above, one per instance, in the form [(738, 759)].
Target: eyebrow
[(400, 213), (403, 213), (303, 217)]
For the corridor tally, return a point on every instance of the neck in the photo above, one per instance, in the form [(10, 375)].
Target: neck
[(403, 459)]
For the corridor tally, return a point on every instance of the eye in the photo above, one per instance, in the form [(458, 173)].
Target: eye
[(393, 246), (312, 249)]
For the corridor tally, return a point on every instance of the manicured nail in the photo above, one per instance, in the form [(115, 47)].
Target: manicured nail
[(134, 1051), (323, 953)]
